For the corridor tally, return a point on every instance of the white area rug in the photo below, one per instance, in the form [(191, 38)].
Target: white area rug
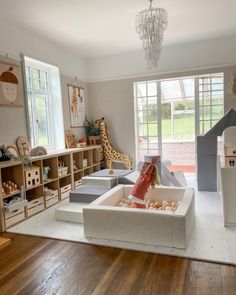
[(210, 241)]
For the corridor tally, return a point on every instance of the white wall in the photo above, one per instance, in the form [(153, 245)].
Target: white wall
[(183, 57), (15, 41)]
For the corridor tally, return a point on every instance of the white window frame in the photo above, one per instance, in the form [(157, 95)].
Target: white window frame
[(159, 115), (54, 114), (33, 92)]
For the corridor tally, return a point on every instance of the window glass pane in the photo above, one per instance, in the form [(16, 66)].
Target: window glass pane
[(31, 120), (142, 130), (152, 129), (206, 125), (188, 87), (41, 119), (152, 116), (143, 143), (171, 89), (141, 89), (184, 126), (218, 79), (184, 106), (43, 85), (35, 74), (217, 95), (142, 102), (43, 76), (217, 87), (217, 112), (152, 103), (35, 84), (166, 128), (153, 143), (152, 89), (142, 117)]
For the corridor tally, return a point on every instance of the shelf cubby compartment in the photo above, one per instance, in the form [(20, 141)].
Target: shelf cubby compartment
[(12, 180), (87, 158), (50, 169), (77, 178), (14, 213), (77, 161), (33, 174), (96, 156), (96, 167), (65, 187), (35, 200), (64, 165), (51, 193), (88, 171)]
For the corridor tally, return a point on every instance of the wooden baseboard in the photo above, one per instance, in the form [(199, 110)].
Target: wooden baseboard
[(4, 242)]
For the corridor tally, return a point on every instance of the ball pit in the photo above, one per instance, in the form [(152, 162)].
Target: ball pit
[(151, 204)]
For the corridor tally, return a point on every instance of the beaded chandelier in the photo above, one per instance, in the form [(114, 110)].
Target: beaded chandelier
[(150, 25)]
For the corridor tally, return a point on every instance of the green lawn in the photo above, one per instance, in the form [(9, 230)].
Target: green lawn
[(184, 128)]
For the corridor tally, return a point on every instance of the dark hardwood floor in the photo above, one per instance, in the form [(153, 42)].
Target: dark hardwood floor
[(33, 265)]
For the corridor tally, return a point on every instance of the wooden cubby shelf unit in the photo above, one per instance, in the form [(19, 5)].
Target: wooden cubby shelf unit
[(45, 186)]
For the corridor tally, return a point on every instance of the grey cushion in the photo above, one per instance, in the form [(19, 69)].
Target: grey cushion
[(85, 194)]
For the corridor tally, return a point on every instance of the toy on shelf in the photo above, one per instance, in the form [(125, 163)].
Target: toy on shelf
[(38, 151), (32, 176), (70, 139), (75, 166), (85, 163), (23, 146), (50, 192), (230, 156), (62, 170), (110, 153), (12, 204), (46, 171), (82, 142), (9, 187)]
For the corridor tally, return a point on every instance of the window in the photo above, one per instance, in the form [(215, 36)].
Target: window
[(165, 111), (211, 100), (45, 115)]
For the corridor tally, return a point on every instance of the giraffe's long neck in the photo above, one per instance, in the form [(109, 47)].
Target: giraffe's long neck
[(105, 140)]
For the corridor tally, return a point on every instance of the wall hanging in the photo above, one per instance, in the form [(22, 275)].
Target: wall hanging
[(77, 105)]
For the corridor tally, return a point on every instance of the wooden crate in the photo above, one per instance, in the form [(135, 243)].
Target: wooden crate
[(13, 220), (35, 209), (66, 188), (65, 195), (35, 202), (52, 201)]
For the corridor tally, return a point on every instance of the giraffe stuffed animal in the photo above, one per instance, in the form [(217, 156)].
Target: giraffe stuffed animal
[(110, 153)]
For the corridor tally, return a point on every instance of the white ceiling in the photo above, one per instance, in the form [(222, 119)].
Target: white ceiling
[(93, 28)]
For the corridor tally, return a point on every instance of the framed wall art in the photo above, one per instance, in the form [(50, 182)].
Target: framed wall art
[(77, 105), (11, 86)]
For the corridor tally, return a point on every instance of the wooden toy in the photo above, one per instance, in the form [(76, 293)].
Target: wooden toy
[(230, 156), (23, 146), (109, 152), (32, 176), (46, 171), (62, 170), (9, 187)]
